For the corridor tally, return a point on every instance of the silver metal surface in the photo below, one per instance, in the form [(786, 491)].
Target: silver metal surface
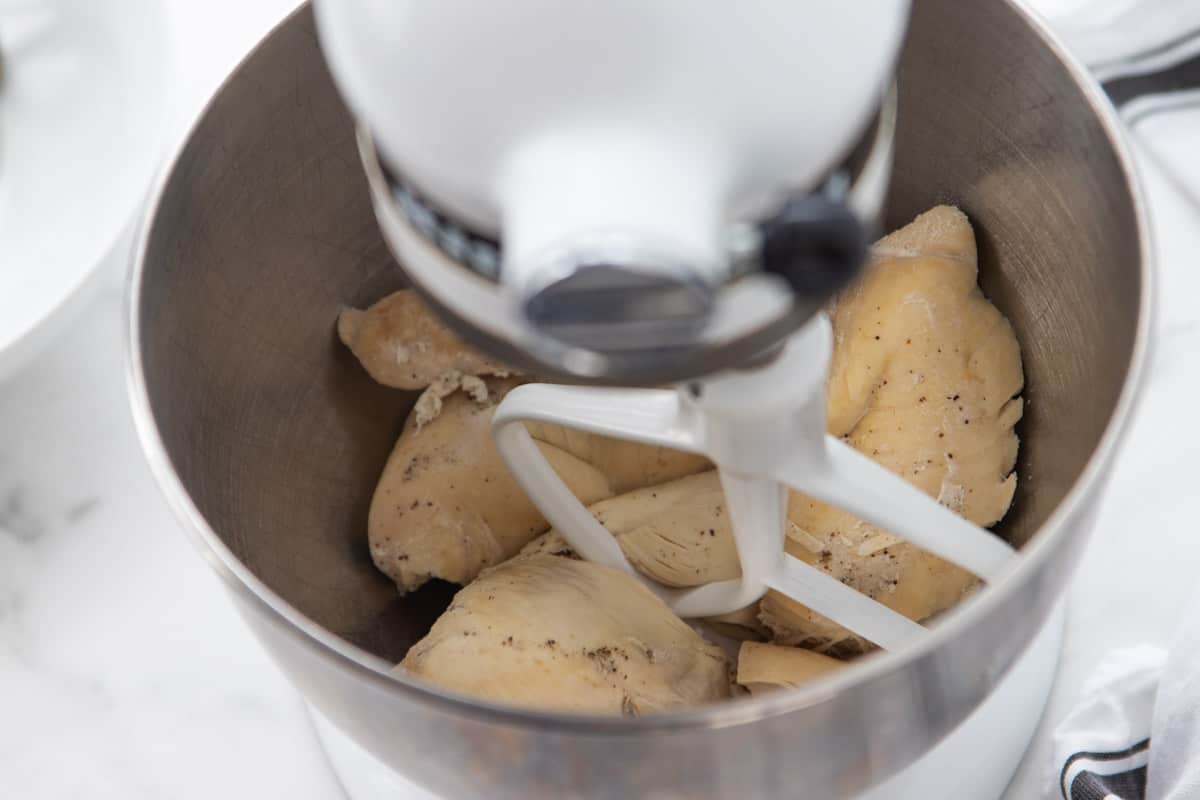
[(268, 438)]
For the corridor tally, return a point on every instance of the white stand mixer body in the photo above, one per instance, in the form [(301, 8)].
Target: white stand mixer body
[(546, 120), (591, 161)]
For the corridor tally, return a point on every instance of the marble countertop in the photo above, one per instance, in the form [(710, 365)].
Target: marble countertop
[(124, 670), (125, 673)]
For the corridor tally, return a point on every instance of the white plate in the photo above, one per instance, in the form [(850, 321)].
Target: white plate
[(83, 104)]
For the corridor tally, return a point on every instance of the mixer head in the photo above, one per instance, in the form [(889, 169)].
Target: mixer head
[(612, 308), (623, 193)]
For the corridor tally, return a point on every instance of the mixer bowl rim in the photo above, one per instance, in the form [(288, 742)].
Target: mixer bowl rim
[(377, 671)]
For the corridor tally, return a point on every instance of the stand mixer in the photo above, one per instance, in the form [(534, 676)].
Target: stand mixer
[(652, 213)]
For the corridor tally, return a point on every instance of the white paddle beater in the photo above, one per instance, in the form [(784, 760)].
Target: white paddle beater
[(764, 429)]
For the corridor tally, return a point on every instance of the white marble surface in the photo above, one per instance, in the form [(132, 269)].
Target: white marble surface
[(124, 672)]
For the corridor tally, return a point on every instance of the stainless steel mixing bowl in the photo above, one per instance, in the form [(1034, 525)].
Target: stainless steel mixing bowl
[(268, 437)]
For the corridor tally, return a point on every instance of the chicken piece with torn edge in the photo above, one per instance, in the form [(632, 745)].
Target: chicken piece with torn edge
[(401, 343), (446, 505)]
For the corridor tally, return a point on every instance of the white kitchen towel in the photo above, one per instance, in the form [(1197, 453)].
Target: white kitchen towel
[(1174, 772), (1102, 748), (1135, 732)]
